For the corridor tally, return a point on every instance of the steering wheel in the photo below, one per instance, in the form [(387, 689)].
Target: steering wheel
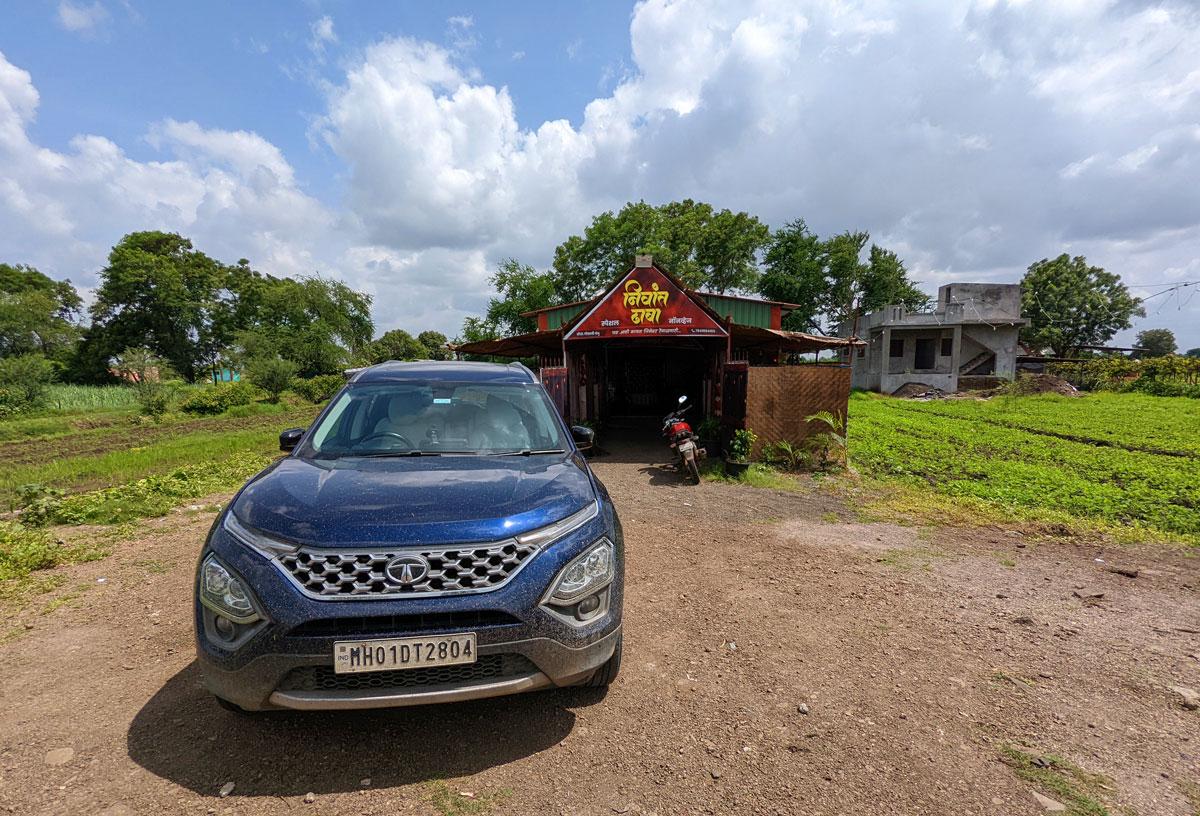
[(393, 435)]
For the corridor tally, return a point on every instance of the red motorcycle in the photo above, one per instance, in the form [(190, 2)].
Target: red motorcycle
[(683, 441)]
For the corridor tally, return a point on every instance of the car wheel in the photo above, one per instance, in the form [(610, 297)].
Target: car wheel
[(609, 671)]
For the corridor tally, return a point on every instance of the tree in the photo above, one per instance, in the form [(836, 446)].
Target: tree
[(1155, 343), (396, 344), (1195, 352), (319, 324), (795, 273), (829, 281), (24, 379), (272, 374), (435, 345), (701, 247), (37, 314), (1071, 304), (148, 373), (160, 293)]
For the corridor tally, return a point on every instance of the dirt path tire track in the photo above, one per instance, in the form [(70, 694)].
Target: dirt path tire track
[(741, 605)]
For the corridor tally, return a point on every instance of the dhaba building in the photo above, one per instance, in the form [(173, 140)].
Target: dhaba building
[(629, 353)]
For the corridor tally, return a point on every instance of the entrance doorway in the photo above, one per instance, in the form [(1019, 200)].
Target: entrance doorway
[(647, 382)]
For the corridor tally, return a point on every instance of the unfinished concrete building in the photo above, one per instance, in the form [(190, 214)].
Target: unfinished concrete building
[(967, 341)]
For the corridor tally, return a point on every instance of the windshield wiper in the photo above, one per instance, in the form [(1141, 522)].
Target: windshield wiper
[(529, 452), (383, 454)]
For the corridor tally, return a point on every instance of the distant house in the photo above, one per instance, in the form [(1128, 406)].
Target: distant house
[(220, 375), (968, 340)]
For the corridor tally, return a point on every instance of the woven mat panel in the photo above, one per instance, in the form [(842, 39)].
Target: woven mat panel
[(779, 398)]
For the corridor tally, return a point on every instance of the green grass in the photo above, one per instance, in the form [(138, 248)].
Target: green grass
[(153, 495), (24, 550), (76, 399), (122, 466), (1059, 779), (975, 452), (449, 801), (757, 475)]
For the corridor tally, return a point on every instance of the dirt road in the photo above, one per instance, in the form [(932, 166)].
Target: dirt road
[(780, 658)]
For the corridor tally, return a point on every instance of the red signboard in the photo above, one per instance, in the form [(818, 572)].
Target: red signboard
[(646, 304)]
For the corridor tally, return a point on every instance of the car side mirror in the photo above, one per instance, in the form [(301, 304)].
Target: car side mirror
[(289, 439), (584, 436)]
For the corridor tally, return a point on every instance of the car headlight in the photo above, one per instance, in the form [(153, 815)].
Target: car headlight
[(224, 593), (587, 572), (261, 543)]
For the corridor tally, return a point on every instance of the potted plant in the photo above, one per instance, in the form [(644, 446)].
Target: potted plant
[(738, 458), (709, 432)]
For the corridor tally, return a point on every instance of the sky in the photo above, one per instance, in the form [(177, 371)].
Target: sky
[(406, 148)]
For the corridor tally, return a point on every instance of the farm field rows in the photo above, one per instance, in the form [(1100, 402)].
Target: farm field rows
[(1008, 453), (1132, 421)]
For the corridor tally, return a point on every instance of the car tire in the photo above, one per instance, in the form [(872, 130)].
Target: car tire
[(606, 674)]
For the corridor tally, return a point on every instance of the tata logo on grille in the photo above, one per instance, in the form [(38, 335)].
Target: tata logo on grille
[(407, 570)]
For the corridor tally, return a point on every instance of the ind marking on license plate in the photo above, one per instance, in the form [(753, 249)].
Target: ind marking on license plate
[(402, 653)]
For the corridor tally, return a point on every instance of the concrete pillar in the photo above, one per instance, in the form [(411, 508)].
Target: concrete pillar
[(956, 357), (885, 358)]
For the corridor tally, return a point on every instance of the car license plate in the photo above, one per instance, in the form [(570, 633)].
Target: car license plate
[(352, 656)]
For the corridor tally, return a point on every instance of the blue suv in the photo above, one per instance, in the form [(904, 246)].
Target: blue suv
[(435, 535)]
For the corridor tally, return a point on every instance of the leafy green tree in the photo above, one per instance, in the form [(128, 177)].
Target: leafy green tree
[(795, 272), (521, 288), (829, 281), (1195, 352), (702, 247), (37, 314), (319, 324), (435, 345), (1155, 343), (272, 374), (160, 293), (1071, 304), (396, 344)]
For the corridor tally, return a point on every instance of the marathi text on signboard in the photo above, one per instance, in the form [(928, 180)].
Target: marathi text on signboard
[(646, 304)]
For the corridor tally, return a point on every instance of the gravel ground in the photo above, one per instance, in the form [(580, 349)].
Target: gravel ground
[(779, 658)]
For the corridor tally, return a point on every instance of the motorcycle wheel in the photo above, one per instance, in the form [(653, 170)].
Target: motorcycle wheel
[(694, 470)]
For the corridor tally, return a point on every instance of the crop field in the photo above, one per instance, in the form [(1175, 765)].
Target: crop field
[(1126, 462)]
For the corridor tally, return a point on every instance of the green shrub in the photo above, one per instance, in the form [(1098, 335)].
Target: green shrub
[(24, 380), (216, 399), (742, 444), (320, 388), (785, 455), (272, 374), (23, 550)]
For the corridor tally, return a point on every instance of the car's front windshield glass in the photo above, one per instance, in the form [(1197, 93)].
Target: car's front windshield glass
[(428, 418)]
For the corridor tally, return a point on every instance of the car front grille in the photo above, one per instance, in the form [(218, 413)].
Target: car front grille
[(488, 667), (402, 624), (359, 574)]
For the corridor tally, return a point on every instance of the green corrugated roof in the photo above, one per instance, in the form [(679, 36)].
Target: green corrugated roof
[(746, 312), (557, 317)]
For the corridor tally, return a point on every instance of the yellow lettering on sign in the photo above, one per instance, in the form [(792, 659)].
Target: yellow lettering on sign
[(639, 316), (634, 295)]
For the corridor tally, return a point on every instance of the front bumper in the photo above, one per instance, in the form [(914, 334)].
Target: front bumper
[(255, 686), (522, 645)]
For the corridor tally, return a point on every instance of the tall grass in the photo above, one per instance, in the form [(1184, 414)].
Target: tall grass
[(79, 399)]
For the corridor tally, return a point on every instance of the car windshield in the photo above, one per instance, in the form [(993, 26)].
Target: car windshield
[(435, 419)]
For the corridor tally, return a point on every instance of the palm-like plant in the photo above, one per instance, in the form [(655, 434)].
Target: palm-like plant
[(828, 443)]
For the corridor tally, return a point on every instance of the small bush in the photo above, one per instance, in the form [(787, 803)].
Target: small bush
[(24, 381), (320, 388), (217, 399), (742, 445), (786, 456), (23, 550), (272, 374)]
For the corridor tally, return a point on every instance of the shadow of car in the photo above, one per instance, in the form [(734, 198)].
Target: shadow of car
[(182, 735)]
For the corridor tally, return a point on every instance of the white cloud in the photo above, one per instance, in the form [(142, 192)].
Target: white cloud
[(321, 35), (974, 137), (82, 18)]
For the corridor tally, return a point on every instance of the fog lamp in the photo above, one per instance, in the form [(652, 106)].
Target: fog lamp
[(224, 626), (588, 605), (224, 593)]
